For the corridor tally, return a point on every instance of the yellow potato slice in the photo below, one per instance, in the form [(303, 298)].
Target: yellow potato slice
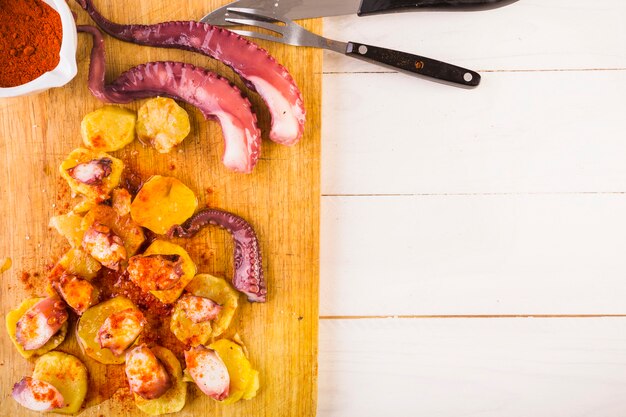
[(11, 321), (75, 262), (108, 129), (218, 290), (163, 202), (89, 324), (162, 247), (244, 381), (122, 226), (69, 226), (174, 399), (67, 374), (80, 263), (162, 124), (92, 193), (5, 264)]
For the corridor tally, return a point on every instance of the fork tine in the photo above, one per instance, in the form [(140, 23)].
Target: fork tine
[(257, 23), (258, 35), (257, 14)]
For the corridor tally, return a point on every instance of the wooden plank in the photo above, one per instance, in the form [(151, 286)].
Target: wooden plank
[(526, 35), (473, 255), (281, 199), (477, 367), (516, 133)]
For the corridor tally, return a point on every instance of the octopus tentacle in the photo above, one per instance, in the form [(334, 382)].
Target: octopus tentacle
[(40, 323), (147, 377), (248, 277), (208, 371), (213, 95), (37, 395), (257, 68)]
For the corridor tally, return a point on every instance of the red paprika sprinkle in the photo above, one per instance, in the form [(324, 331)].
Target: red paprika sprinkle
[(30, 40)]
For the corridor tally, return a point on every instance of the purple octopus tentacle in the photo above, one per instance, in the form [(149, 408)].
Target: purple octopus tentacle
[(248, 277), (254, 65)]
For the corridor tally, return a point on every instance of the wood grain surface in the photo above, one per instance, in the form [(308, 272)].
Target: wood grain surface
[(280, 199)]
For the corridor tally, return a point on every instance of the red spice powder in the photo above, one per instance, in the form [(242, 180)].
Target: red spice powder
[(30, 40)]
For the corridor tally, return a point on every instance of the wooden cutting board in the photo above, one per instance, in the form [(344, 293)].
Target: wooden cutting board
[(280, 199)]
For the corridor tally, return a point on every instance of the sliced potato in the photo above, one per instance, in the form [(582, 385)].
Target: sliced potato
[(13, 317), (75, 262), (92, 192), (162, 203), (162, 247), (162, 123), (174, 399), (67, 374), (122, 226), (68, 226), (5, 264), (90, 323), (108, 129), (244, 381), (187, 331), (216, 289), (80, 263)]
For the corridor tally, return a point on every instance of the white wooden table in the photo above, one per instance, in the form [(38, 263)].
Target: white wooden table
[(473, 253)]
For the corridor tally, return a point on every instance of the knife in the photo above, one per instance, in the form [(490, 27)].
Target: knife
[(304, 9)]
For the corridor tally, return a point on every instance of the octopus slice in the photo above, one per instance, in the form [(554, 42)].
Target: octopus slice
[(208, 371), (78, 293), (92, 172), (155, 272), (120, 330), (199, 309), (213, 95), (146, 375), (248, 277), (104, 246), (40, 323), (256, 67), (37, 395)]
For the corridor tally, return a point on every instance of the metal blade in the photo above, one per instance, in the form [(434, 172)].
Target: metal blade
[(293, 9)]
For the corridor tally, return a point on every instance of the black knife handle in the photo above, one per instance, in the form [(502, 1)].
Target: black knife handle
[(414, 64), (369, 7)]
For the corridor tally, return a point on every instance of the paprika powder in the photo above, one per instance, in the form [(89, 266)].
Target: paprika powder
[(30, 40)]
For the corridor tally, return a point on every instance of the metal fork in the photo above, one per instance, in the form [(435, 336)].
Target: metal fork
[(289, 32)]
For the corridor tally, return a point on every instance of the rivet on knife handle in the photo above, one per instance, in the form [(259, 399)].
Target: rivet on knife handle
[(414, 64)]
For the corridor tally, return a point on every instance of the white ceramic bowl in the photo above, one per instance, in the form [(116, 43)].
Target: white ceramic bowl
[(66, 70)]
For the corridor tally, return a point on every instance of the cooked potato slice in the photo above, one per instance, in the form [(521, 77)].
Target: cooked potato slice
[(79, 180), (244, 381), (67, 374), (91, 322), (108, 129), (77, 262), (174, 399), (13, 317), (213, 288), (162, 123), (5, 264), (161, 247), (162, 203), (122, 226), (68, 226), (187, 331)]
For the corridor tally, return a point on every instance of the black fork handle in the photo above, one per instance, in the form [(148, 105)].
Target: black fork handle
[(414, 64)]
